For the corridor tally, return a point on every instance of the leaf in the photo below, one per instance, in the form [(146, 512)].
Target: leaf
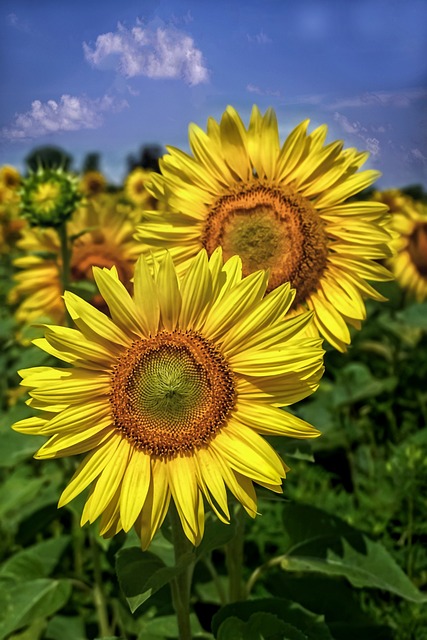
[(167, 627), (35, 562), (141, 574), (414, 316), (23, 603), (317, 541), (216, 535), (297, 620), (260, 626), (65, 628), (356, 383)]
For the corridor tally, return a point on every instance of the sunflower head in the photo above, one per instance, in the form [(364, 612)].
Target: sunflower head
[(49, 197), (409, 264), (169, 396), (135, 187), (281, 206), (10, 177), (92, 183), (393, 198), (102, 232)]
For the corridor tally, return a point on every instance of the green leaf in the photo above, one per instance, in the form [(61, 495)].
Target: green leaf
[(167, 627), (297, 621), (35, 562), (260, 626), (414, 316), (141, 574), (317, 541), (23, 603), (65, 628), (216, 535), (357, 383)]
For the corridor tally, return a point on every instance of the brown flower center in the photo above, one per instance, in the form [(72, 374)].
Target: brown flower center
[(98, 253), (417, 248), (270, 228), (172, 393)]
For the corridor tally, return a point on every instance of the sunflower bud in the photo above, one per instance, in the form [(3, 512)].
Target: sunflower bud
[(49, 197)]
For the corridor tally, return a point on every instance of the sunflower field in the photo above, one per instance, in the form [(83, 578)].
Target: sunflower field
[(214, 398)]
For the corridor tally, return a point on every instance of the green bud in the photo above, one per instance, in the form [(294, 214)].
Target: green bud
[(49, 197)]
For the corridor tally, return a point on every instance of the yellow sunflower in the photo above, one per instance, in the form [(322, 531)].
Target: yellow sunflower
[(103, 237), (393, 198), (409, 265), (92, 183), (135, 188), (169, 396), (281, 207), (10, 177)]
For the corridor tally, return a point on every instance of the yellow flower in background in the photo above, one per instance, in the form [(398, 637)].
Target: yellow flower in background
[(135, 188), (10, 177), (10, 222), (278, 207), (170, 396), (92, 183), (409, 265), (393, 198), (103, 235)]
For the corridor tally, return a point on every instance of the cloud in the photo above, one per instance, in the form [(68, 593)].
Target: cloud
[(253, 88), (399, 99), (362, 132), (71, 113), (164, 52), (259, 38), (14, 21)]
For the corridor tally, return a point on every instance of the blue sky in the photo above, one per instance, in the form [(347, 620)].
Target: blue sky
[(109, 76)]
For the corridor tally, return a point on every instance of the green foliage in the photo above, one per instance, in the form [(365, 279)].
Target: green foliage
[(342, 556)]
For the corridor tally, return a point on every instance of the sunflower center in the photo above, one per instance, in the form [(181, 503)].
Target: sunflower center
[(171, 394), (270, 228), (418, 248)]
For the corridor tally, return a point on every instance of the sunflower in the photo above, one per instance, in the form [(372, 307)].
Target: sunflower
[(393, 198), (170, 396), (277, 207), (135, 188), (103, 237), (10, 177), (92, 183), (409, 265)]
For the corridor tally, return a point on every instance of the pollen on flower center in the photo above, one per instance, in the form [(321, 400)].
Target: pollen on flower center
[(270, 228), (171, 394), (417, 248)]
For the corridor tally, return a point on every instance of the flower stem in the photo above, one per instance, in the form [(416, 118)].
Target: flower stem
[(181, 584), (65, 259), (98, 591), (234, 559)]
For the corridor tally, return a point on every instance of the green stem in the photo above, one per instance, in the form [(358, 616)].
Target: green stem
[(65, 259), (234, 559), (181, 584), (99, 598), (217, 581)]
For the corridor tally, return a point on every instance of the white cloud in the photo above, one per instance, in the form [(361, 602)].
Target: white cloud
[(259, 38), (398, 99), (253, 88), (355, 128), (69, 114), (14, 21), (164, 52)]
